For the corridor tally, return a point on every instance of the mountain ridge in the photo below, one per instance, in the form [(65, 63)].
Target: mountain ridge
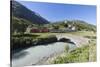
[(20, 11)]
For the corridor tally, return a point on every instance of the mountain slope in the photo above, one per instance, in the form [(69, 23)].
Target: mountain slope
[(20, 11), (79, 24), (82, 25)]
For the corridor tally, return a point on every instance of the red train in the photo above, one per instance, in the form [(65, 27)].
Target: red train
[(39, 30)]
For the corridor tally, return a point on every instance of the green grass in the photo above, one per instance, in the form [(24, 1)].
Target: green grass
[(86, 53), (83, 33), (27, 40), (92, 51)]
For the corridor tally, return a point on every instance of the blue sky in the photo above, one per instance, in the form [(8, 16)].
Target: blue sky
[(57, 12)]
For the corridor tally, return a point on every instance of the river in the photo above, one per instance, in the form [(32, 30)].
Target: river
[(37, 54)]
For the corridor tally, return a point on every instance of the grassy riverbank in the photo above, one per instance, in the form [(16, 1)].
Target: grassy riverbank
[(85, 53), (21, 41)]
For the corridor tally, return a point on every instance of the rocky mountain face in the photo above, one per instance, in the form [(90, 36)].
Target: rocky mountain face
[(20, 11)]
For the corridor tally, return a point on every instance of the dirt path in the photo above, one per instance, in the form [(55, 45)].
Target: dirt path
[(78, 40)]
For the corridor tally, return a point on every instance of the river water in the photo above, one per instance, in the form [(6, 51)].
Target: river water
[(33, 55)]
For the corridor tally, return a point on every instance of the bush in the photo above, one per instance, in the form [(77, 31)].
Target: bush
[(27, 40), (46, 40)]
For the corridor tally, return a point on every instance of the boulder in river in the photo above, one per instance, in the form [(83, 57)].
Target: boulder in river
[(64, 40)]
